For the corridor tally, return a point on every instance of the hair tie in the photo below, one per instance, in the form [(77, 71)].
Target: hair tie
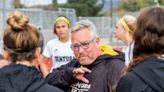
[(62, 18), (122, 21)]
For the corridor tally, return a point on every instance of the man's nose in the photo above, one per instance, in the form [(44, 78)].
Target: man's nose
[(81, 49)]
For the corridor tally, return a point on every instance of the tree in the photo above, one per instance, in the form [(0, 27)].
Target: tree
[(135, 5), (55, 5), (82, 7), (17, 4)]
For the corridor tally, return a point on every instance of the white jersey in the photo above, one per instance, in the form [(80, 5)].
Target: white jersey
[(60, 53), (1, 46), (128, 53)]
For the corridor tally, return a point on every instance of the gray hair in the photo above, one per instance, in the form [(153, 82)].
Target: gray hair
[(85, 24)]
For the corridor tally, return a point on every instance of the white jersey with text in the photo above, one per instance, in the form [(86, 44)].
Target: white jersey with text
[(60, 53)]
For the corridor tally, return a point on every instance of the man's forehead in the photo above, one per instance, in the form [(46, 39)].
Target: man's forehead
[(81, 39)]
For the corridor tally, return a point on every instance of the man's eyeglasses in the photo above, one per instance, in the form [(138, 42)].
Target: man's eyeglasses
[(83, 45)]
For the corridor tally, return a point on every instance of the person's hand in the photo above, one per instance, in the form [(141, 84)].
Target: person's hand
[(42, 65), (78, 73)]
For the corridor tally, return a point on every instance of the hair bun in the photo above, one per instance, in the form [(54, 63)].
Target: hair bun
[(17, 21)]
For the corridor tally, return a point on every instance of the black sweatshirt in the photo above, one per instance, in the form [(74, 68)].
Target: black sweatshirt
[(148, 76), (20, 78), (106, 72)]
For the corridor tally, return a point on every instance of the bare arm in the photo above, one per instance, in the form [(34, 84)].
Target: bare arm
[(43, 65)]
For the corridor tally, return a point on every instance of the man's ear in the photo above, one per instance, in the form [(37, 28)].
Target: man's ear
[(97, 40), (38, 52)]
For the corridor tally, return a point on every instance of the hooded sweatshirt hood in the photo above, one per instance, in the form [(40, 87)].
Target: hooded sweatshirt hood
[(108, 50), (150, 71), (108, 53), (20, 78)]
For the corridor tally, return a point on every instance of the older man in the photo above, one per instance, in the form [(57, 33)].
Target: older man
[(92, 70)]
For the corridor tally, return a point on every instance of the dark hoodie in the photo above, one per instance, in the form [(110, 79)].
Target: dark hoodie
[(148, 76), (106, 72), (20, 78)]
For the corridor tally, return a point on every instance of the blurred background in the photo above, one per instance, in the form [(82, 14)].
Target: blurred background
[(104, 13)]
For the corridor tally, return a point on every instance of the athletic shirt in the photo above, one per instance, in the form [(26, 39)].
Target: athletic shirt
[(60, 53), (128, 53), (1, 46)]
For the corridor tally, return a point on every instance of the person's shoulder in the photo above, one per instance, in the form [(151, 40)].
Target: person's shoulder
[(114, 59), (52, 41), (130, 76), (114, 62), (130, 83), (6, 68), (125, 83)]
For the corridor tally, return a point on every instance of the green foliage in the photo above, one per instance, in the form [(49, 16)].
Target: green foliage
[(161, 2), (55, 5), (82, 7), (135, 5)]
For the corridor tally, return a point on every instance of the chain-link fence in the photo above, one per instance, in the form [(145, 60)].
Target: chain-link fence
[(105, 29), (41, 18), (44, 20)]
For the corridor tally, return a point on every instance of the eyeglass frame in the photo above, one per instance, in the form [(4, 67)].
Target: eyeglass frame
[(84, 45)]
